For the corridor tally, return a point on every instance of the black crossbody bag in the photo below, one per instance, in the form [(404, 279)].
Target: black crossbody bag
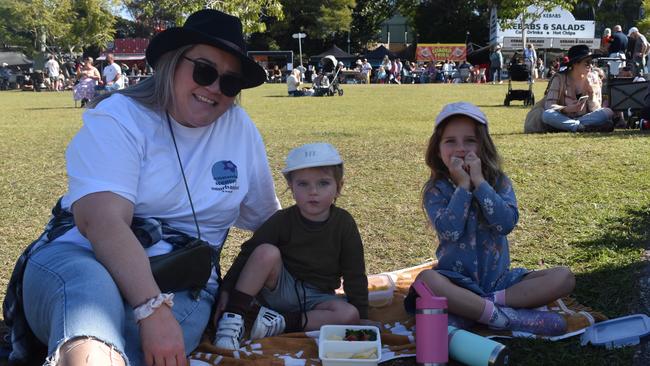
[(186, 268), (190, 266)]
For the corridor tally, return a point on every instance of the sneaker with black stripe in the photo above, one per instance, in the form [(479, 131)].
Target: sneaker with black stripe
[(230, 331), (268, 323)]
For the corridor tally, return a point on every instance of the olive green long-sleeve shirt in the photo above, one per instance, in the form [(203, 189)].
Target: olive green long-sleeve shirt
[(317, 253)]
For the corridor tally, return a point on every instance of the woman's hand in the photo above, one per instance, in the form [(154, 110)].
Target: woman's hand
[(162, 339), (473, 164), (458, 173), (220, 307), (576, 107)]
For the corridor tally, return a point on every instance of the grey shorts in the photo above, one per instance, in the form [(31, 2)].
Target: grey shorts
[(289, 293)]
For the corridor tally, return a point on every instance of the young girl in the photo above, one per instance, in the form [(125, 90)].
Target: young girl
[(295, 260), (472, 206)]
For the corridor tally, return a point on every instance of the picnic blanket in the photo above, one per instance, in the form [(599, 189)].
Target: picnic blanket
[(301, 349)]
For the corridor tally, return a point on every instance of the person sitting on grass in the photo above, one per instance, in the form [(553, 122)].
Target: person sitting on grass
[(294, 262), (472, 206), (293, 84), (88, 77), (574, 100), (85, 291)]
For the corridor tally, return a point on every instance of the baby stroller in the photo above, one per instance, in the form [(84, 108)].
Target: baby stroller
[(38, 80), (519, 72), (331, 69), (624, 94)]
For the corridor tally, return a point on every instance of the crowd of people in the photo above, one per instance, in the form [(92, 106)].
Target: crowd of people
[(398, 71), (632, 50), (80, 75)]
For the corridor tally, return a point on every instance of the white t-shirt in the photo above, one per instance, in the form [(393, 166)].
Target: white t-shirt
[(366, 68), (52, 68), (111, 71), (127, 149), (292, 83)]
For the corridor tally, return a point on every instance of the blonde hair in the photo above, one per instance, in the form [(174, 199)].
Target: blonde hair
[(487, 152), (155, 92)]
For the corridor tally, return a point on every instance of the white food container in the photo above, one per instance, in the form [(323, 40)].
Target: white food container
[(327, 346)]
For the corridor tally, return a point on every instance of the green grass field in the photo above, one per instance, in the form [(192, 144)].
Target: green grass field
[(584, 200)]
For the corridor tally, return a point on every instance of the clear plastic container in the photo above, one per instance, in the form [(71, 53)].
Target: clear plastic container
[(380, 290), (334, 351)]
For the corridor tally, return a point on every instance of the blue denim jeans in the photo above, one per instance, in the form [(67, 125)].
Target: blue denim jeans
[(563, 122), (496, 74), (69, 294), (114, 86)]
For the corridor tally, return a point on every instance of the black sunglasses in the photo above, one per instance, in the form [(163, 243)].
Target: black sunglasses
[(205, 74)]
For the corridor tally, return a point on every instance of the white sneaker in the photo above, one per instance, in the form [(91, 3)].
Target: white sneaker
[(230, 331), (268, 323)]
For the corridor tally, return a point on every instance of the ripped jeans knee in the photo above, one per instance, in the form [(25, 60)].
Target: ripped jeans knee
[(86, 350)]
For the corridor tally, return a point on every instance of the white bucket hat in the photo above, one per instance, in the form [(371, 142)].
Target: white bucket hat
[(311, 156)]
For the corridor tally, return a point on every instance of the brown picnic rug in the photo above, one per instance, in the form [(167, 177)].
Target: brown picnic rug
[(298, 349)]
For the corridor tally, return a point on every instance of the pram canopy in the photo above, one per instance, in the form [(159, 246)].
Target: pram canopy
[(328, 63), (519, 72)]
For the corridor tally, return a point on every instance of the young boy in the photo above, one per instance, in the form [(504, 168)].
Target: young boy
[(295, 260)]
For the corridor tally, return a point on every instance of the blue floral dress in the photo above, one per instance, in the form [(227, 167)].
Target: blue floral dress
[(472, 227)]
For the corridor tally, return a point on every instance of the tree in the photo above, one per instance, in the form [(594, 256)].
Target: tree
[(644, 23), (324, 22), (511, 9), (432, 19), (366, 21), (91, 24), (36, 23), (613, 12), (173, 12), (70, 24)]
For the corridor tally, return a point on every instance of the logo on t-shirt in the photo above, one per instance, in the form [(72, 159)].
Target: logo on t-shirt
[(224, 173)]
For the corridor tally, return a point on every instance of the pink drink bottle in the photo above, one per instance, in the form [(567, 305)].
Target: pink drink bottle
[(431, 342)]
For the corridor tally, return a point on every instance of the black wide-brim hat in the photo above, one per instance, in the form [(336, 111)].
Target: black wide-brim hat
[(580, 52), (213, 28)]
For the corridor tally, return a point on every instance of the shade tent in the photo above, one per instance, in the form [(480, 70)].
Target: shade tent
[(334, 51), (480, 55), (408, 53), (12, 58), (379, 53)]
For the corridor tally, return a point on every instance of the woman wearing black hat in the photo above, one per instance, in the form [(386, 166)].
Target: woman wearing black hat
[(155, 166), (573, 99)]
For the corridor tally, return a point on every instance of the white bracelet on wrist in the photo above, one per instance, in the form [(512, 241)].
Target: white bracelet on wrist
[(148, 307)]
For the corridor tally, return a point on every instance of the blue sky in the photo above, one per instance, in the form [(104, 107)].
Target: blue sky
[(121, 11)]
